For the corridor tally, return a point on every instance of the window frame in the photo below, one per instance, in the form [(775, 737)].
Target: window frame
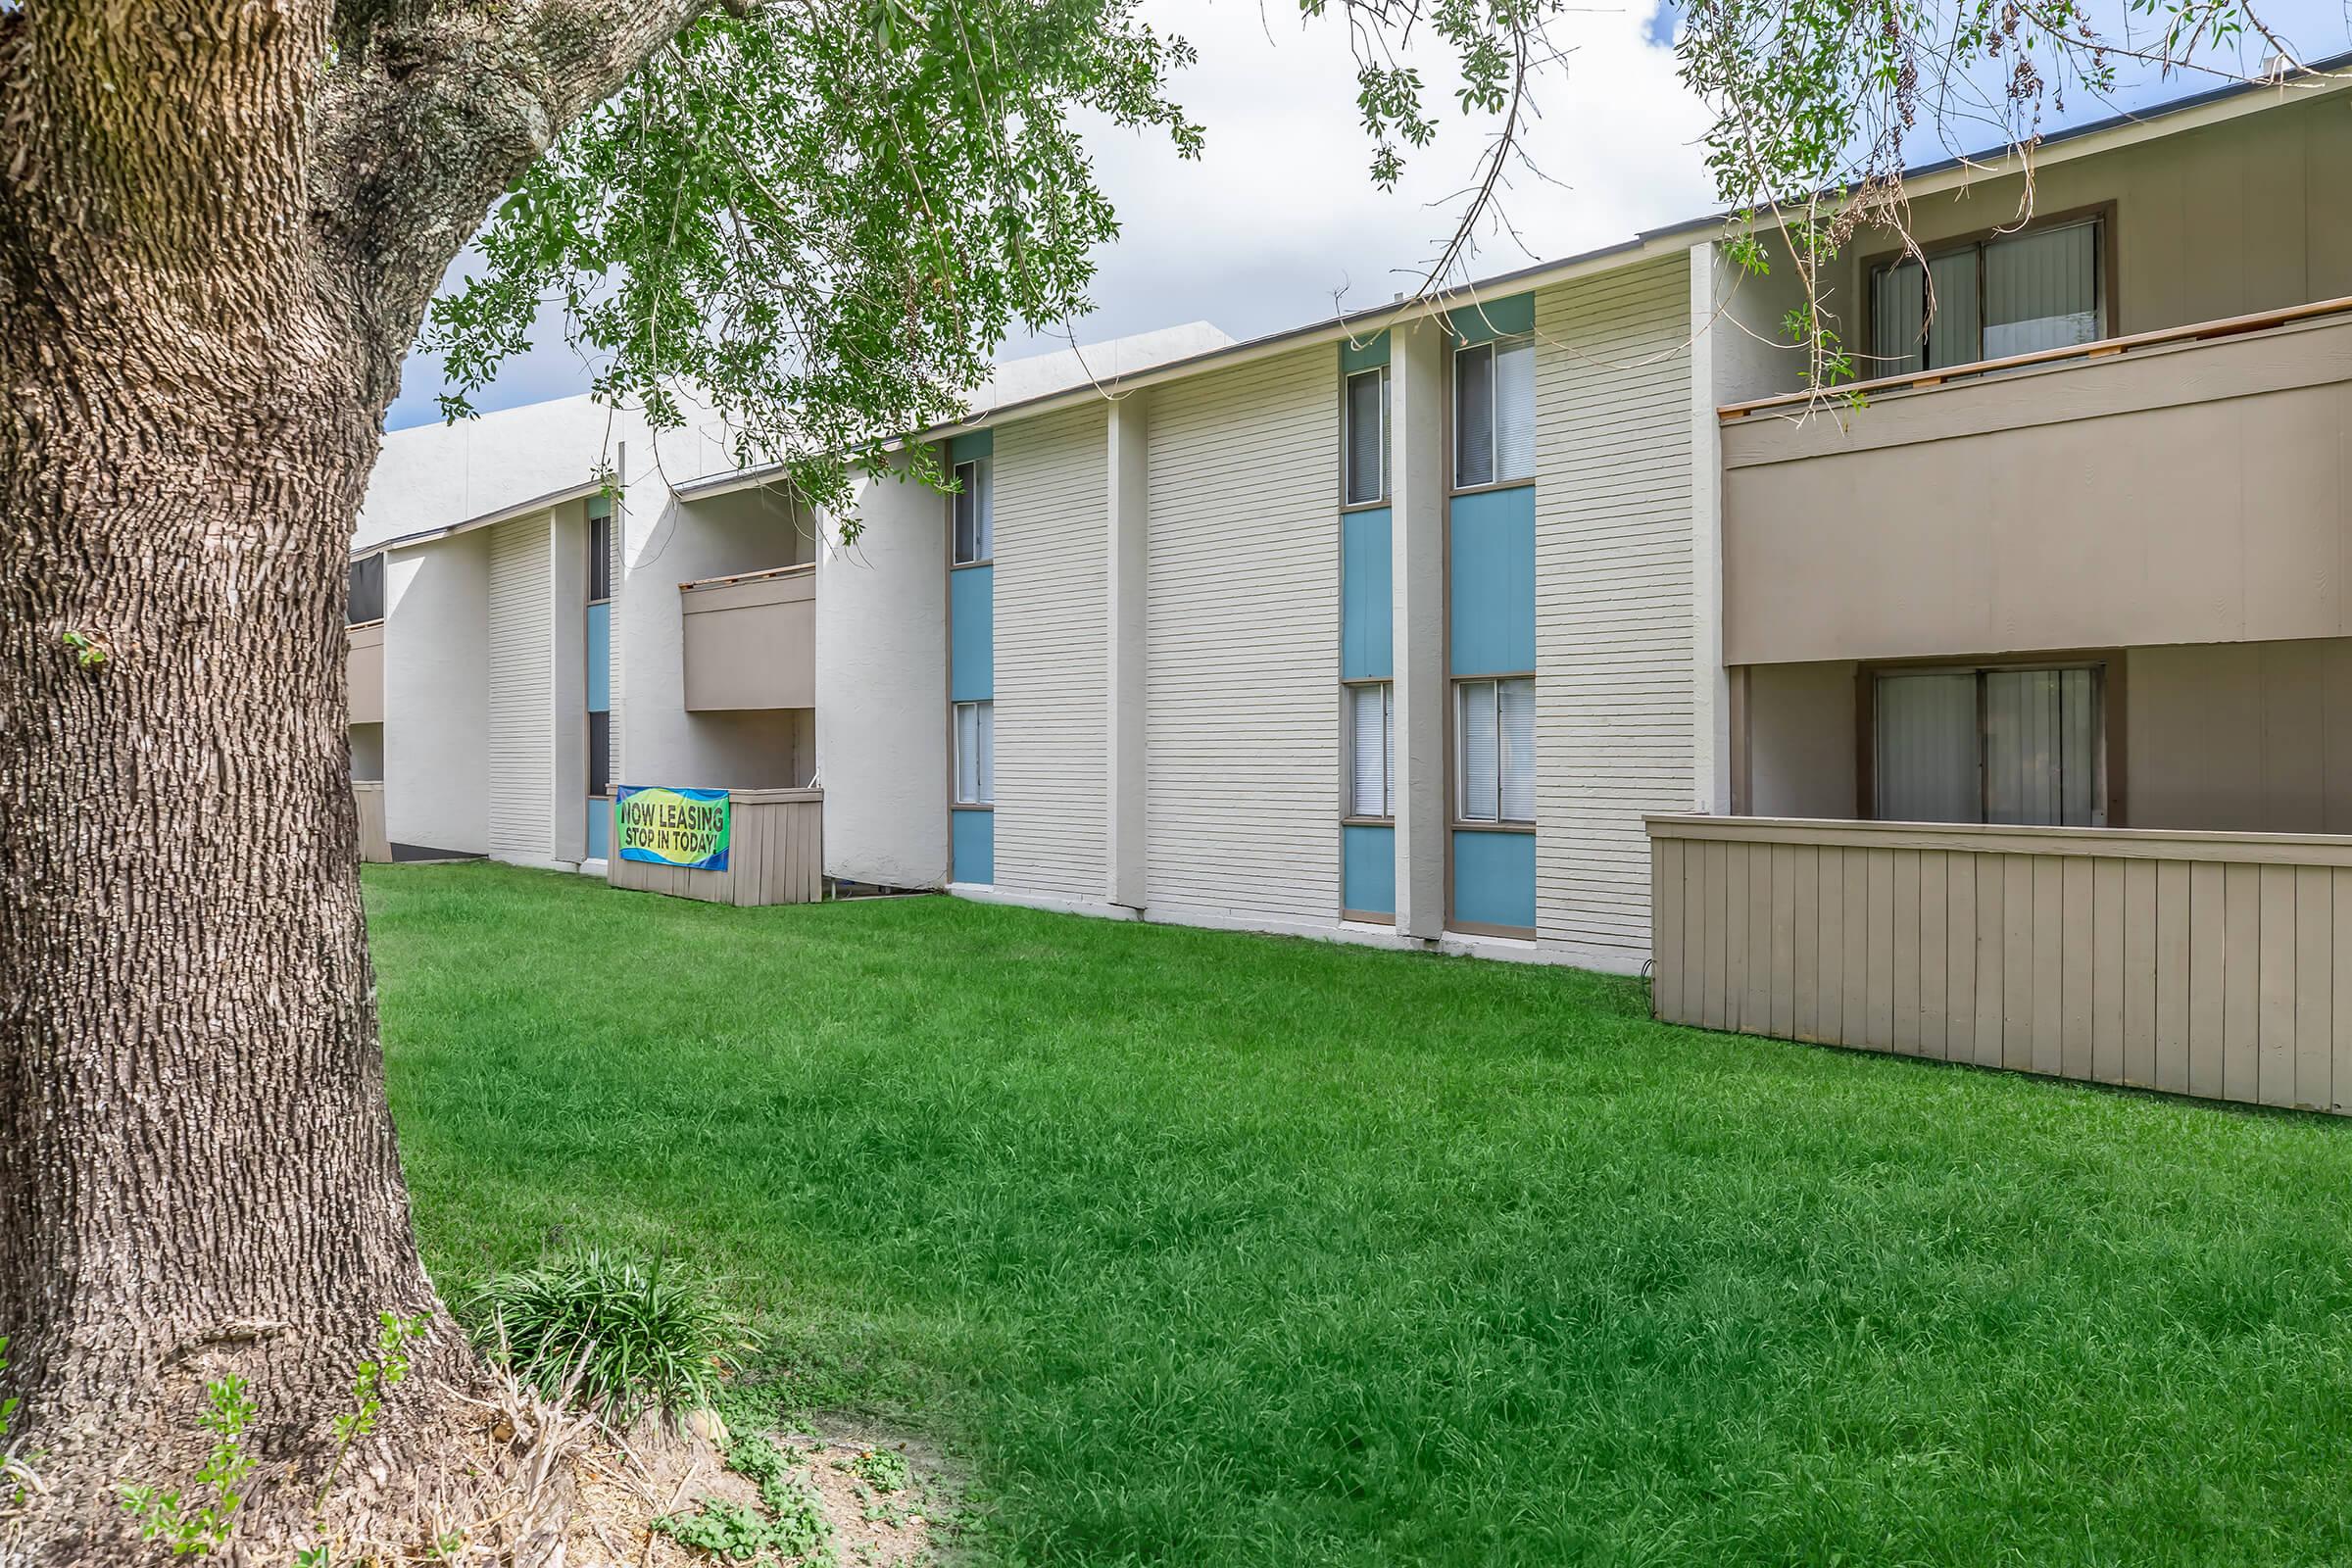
[(1385, 493), (2104, 273), (2108, 712), (956, 797), (1494, 347), (983, 484), (1458, 777), (1350, 817)]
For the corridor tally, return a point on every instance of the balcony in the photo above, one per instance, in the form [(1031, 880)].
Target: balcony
[(750, 640), (2183, 486), (2207, 963), (365, 672)]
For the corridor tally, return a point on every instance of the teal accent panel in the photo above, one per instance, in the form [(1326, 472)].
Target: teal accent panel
[(1364, 354), (1368, 869), (973, 835), (600, 506), (600, 828), (1490, 319), (1367, 607), (967, 448), (972, 623), (1494, 582), (1494, 878), (600, 658)]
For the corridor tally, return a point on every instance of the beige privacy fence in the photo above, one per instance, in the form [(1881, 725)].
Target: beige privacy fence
[(2204, 963)]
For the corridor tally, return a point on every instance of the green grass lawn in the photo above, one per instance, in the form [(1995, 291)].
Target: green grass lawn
[(1201, 1248)]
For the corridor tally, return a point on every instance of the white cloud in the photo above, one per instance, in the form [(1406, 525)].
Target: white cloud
[(1281, 213)]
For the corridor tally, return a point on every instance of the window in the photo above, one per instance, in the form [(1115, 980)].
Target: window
[(1367, 437), (1371, 749), (600, 551), (600, 754), (2021, 746), (366, 601), (1495, 412), (975, 512), (975, 753), (1495, 735), (2011, 294)]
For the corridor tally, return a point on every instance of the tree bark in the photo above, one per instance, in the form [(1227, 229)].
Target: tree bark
[(212, 260)]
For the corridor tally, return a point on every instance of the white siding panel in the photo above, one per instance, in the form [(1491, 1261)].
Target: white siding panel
[(1613, 596), (522, 769), (1051, 611), (1241, 633)]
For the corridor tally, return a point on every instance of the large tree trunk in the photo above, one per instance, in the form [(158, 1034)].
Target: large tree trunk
[(197, 1170), (220, 224)]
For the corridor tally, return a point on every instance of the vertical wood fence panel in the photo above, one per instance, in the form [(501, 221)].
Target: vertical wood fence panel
[(2216, 964), (776, 855), (376, 844)]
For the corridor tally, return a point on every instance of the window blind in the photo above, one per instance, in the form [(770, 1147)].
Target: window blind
[(1517, 770), (975, 753), (1480, 767), (2042, 290), (2017, 746), (975, 513), (1367, 437), (1897, 320), (1926, 757), (1474, 416), (1516, 409), (1372, 749), (2040, 748)]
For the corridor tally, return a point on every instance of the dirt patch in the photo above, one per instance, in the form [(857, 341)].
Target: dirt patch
[(866, 1503)]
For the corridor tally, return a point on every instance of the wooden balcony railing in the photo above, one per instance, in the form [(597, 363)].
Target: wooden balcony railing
[(2196, 332)]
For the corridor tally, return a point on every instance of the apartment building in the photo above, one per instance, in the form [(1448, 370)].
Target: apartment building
[(552, 600), (1996, 715), (1370, 631)]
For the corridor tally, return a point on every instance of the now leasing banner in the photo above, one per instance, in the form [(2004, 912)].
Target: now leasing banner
[(672, 827)]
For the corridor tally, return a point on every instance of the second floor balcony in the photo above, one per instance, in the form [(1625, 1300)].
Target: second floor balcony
[(750, 640), (2193, 485)]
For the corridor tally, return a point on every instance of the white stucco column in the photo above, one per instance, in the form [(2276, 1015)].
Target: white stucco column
[(1417, 542), (1127, 519), (568, 681), (882, 687), (1710, 696)]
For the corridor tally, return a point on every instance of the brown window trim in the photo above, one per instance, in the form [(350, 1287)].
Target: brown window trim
[(1369, 917), (2114, 730), (1480, 928), (2110, 304)]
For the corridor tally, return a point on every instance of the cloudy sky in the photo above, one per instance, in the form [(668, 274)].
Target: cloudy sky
[(1279, 220)]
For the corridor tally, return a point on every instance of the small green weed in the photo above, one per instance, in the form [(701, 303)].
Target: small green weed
[(185, 1521), (883, 1469), (741, 1533), (789, 1522), (760, 1461), (633, 1336), (368, 1386)]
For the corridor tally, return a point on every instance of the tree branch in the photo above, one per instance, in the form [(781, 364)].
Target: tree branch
[(433, 107)]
